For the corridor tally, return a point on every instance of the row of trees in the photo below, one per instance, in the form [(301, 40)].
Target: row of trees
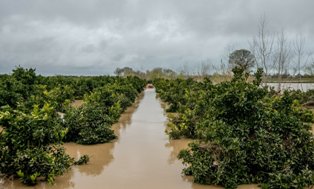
[(244, 132), (278, 54), (32, 131), (91, 123), (149, 74)]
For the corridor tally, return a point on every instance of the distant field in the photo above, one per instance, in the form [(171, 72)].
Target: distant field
[(221, 78), (290, 80)]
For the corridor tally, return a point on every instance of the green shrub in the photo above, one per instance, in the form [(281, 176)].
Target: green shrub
[(84, 159), (31, 130), (88, 125), (30, 144), (246, 134)]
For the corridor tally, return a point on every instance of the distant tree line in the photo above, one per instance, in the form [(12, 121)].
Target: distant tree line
[(281, 55), (149, 74)]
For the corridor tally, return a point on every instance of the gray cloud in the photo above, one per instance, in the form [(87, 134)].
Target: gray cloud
[(96, 36)]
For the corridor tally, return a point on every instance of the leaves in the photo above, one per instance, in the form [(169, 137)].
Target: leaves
[(32, 131), (91, 123), (246, 133)]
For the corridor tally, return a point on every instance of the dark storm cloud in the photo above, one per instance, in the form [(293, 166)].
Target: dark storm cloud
[(96, 36)]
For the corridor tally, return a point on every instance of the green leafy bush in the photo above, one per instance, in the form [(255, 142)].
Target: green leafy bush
[(30, 144), (91, 123), (246, 134), (84, 159), (88, 125), (31, 130)]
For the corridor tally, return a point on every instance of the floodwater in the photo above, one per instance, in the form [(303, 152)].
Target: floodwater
[(293, 86), (142, 157)]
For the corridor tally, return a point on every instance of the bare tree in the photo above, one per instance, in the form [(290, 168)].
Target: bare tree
[(299, 52), (262, 46), (204, 68), (309, 68), (185, 71), (223, 67), (281, 56), (302, 57)]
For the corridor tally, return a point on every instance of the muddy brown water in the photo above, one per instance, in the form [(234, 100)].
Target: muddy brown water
[(142, 157)]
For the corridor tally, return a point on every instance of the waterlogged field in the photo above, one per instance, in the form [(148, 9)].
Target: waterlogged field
[(229, 134), (38, 113), (244, 132), (142, 157)]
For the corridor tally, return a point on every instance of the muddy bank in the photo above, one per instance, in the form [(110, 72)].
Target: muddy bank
[(142, 157)]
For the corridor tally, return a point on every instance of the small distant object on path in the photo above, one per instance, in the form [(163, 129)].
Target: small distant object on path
[(149, 86)]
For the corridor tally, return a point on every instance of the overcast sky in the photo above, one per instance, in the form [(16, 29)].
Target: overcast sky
[(93, 37)]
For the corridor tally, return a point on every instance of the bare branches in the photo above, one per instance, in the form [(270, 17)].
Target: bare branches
[(262, 46), (204, 68), (282, 56)]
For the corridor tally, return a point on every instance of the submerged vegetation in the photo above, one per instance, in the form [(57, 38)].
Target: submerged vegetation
[(91, 123), (245, 133), (32, 130)]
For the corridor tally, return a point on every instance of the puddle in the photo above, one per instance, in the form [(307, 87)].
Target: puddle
[(142, 157)]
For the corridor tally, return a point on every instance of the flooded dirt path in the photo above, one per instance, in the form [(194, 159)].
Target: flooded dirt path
[(142, 157)]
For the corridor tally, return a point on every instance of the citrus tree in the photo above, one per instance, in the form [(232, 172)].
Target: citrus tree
[(245, 133), (30, 144)]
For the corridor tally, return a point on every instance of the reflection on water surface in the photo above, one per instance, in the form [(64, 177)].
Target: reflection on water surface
[(142, 157)]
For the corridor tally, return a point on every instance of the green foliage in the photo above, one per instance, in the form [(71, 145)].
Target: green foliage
[(242, 59), (182, 97), (18, 87), (88, 125), (91, 123), (27, 77), (30, 144), (84, 159), (31, 130), (246, 133)]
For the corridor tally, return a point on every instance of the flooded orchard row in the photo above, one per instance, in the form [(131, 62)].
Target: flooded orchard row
[(141, 157)]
